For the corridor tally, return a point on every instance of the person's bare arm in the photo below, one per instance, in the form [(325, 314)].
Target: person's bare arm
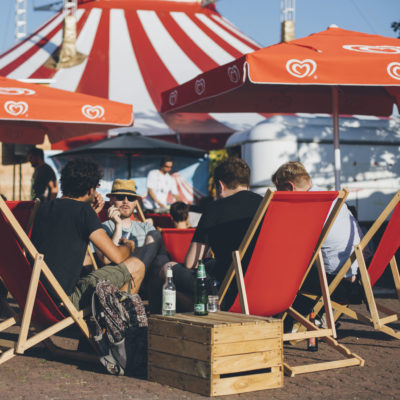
[(194, 254), (98, 202), (115, 254), (115, 216), (53, 188), (156, 201)]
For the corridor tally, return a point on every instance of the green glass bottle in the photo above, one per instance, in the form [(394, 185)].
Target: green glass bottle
[(201, 295)]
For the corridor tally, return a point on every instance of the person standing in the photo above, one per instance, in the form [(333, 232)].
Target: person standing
[(159, 184), (44, 181)]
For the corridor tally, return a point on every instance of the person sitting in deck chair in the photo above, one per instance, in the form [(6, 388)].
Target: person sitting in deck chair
[(180, 215), (222, 227), (63, 228), (121, 227), (344, 234)]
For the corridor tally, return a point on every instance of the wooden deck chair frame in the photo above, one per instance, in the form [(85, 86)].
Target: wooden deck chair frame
[(24, 317), (327, 335), (372, 318)]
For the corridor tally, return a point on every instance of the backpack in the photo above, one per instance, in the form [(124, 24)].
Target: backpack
[(119, 327)]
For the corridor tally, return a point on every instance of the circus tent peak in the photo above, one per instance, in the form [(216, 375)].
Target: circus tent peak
[(134, 50)]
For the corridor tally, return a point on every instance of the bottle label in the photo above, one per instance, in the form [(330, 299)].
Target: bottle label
[(169, 300), (199, 308), (201, 272)]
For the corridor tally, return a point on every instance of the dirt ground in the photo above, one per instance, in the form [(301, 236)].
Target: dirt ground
[(38, 375)]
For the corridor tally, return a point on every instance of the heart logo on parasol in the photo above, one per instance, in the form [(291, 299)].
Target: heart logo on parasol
[(301, 69), (173, 97), (200, 86), (16, 108), (16, 91), (92, 112), (393, 70), (234, 74), (364, 48)]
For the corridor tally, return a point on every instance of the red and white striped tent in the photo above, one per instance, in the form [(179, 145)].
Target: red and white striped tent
[(135, 50)]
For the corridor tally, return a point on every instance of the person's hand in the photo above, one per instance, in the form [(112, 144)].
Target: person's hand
[(114, 215), (129, 243), (98, 202)]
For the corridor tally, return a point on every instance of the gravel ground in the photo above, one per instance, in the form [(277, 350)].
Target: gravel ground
[(39, 375)]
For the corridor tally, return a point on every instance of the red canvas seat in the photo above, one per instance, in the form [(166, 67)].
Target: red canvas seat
[(23, 211), (37, 308), (382, 258), (293, 228), (161, 220), (177, 242)]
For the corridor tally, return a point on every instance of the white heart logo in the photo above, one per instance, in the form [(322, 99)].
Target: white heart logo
[(234, 74), (200, 86), (393, 70), (173, 97), (301, 69), (364, 48), (16, 108), (16, 91), (92, 112)]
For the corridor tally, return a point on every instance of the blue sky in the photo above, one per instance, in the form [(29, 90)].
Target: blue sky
[(260, 19)]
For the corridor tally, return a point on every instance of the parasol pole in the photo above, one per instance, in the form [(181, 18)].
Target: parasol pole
[(336, 139), (129, 166)]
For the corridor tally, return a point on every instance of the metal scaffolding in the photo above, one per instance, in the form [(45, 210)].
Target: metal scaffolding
[(20, 19)]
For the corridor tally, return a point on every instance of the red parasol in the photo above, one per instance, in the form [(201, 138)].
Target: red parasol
[(335, 71), (29, 111)]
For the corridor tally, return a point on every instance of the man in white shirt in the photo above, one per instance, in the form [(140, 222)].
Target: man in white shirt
[(159, 185)]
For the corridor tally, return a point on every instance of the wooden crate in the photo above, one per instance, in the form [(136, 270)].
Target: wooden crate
[(222, 353)]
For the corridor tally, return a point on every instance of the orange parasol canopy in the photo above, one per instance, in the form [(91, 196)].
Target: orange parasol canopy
[(28, 111), (335, 71), (297, 76)]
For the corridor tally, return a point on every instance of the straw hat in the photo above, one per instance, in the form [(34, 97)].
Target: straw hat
[(123, 186)]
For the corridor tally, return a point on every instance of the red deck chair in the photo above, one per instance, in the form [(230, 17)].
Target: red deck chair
[(161, 220), (291, 234), (24, 212), (382, 258), (37, 308), (177, 242)]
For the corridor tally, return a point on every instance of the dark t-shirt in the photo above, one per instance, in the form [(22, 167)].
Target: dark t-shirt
[(223, 226), (40, 180), (61, 232)]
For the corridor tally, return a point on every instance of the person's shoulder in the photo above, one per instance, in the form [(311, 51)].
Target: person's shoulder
[(108, 223), (153, 172), (246, 196), (145, 225)]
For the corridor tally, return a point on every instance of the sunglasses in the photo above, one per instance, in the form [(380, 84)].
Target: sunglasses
[(121, 197)]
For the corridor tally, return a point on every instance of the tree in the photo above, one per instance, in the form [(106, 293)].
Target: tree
[(396, 27)]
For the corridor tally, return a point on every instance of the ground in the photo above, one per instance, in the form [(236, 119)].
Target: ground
[(38, 375)]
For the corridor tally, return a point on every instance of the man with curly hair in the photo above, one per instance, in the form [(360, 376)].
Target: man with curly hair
[(62, 231)]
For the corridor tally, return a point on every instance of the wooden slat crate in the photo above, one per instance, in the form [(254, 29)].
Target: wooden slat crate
[(222, 353)]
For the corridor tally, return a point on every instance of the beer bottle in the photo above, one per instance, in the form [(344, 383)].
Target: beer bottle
[(169, 295), (312, 344), (200, 295)]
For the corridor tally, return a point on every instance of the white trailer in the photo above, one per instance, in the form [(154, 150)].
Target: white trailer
[(370, 155)]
